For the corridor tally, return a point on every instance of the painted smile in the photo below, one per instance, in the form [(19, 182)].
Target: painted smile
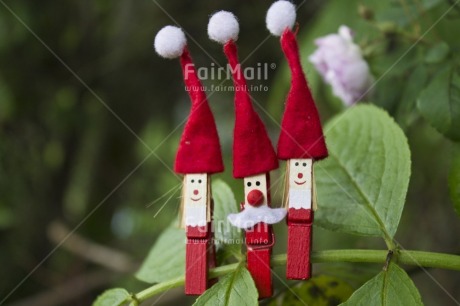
[(300, 183), (195, 200)]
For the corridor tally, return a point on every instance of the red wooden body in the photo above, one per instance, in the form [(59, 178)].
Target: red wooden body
[(259, 243), (199, 258), (299, 243)]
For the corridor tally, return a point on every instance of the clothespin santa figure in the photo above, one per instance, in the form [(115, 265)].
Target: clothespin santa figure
[(253, 159), (198, 156), (301, 143)]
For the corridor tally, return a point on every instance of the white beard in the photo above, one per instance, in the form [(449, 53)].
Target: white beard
[(195, 215), (250, 216), (300, 198)]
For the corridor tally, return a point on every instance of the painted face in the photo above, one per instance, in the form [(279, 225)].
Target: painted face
[(195, 199), (300, 173), (255, 190), (300, 183)]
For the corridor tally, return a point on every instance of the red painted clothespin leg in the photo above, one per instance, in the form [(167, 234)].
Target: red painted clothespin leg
[(259, 244), (200, 256), (196, 262), (299, 243)]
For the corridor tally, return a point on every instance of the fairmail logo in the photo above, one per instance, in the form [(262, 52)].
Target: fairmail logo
[(259, 72)]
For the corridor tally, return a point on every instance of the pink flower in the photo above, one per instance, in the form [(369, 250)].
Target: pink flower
[(341, 64)]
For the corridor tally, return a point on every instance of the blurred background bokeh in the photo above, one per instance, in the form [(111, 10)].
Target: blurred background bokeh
[(90, 118)]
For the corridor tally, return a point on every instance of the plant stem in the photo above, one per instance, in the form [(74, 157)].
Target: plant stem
[(416, 258), (155, 289)]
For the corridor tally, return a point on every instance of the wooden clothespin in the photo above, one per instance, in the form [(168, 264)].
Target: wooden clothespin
[(256, 218), (301, 142), (299, 202), (253, 159), (198, 156), (200, 252)]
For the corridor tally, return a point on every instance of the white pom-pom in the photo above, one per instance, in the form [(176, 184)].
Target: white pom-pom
[(170, 42), (280, 15), (223, 26)]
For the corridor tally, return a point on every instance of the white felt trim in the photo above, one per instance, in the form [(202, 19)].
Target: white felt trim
[(300, 198), (195, 215), (250, 216)]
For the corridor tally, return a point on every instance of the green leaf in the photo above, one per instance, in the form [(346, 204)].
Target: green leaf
[(224, 204), (234, 289), (454, 180), (439, 103), (112, 297), (166, 259), (437, 53), (321, 290), (389, 288), (228, 238), (362, 185)]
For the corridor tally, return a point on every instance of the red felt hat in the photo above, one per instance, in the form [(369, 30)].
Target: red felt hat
[(199, 148), (253, 151), (301, 132)]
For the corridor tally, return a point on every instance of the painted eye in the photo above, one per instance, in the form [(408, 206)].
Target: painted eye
[(296, 163), (199, 181), (249, 184), (304, 164), (257, 183), (193, 181)]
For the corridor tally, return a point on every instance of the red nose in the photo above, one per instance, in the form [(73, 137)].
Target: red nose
[(195, 192), (255, 197), (300, 175)]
